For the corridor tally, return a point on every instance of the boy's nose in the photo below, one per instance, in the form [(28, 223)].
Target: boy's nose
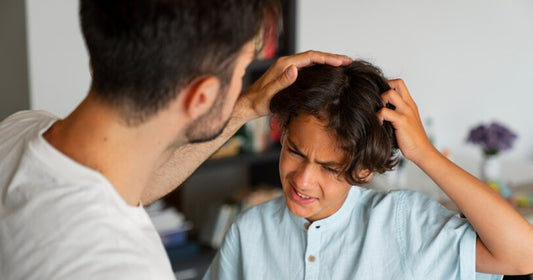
[(303, 176)]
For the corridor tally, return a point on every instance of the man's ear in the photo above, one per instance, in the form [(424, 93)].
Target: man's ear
[(283, 137), (200, 96)]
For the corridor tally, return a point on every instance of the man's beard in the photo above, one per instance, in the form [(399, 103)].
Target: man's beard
[(202, 130)]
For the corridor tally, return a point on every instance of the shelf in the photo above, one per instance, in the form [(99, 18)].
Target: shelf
[(260, 65), (286, 43), (268, 156)]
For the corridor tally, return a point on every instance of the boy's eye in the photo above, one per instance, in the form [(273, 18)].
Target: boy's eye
[(331, 170), (292, 151)]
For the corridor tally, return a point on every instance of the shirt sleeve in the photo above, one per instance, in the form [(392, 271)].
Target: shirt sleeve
[(435, 243), (227, 264)]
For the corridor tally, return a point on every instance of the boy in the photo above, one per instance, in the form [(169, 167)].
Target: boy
[(337, 132)]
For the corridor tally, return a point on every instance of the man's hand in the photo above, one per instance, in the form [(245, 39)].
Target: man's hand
[(255, 100), (253, 103)]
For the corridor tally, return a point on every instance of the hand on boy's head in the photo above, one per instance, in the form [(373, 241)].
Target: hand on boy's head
[(255, 100), (412, 139)]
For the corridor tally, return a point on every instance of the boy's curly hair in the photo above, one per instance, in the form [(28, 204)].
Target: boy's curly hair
[(347, 98)]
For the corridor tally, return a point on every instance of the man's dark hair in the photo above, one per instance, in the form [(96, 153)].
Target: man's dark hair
[(143, 51), (346, 98)]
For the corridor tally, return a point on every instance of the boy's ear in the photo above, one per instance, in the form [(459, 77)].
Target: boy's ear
[(200, 96), (366, 174)]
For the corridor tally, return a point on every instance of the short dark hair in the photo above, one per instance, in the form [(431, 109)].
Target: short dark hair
[(143, 51), (347, 98)]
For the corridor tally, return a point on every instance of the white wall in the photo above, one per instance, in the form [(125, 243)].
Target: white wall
[(58, 60), (465, 62)]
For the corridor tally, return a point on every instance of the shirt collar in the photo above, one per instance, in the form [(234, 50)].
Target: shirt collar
[(342, 215)]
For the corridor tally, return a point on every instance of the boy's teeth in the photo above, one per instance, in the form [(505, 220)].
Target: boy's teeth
[(303, 196)]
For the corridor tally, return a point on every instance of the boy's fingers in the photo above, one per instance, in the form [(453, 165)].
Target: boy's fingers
[(386, 114), (393, 97), (399, 86)]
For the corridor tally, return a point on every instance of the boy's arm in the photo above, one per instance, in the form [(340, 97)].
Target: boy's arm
[(253, 103), (505, 238)]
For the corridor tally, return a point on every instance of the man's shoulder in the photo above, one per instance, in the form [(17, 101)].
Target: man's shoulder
[(22, 123), (26, 116)]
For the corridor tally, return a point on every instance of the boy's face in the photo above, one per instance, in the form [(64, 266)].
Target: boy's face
[(309, 169)]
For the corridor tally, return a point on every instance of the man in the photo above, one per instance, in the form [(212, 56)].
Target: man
[(164, 96)]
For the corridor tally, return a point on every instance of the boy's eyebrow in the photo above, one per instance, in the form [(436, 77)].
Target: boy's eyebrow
[(323, 163)]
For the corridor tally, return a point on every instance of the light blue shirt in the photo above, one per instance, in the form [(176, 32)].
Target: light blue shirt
[(395, 235)]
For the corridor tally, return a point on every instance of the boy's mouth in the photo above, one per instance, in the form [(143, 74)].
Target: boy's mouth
[(300, 197), (303, 196)]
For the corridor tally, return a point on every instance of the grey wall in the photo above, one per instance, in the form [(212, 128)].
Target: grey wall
[(59, 63), (14, 92)]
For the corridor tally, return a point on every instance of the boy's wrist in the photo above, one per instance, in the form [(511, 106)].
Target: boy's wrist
[(425, 154)]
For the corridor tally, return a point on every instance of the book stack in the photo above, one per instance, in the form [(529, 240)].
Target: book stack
[(173, 229)]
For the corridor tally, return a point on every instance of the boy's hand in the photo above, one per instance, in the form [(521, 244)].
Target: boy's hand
[(497, 224), (254, 101), (412, 139)]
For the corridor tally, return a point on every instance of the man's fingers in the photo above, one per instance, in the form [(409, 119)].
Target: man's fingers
[(301, 60), (315, 57), (285, 70), (284, 80)]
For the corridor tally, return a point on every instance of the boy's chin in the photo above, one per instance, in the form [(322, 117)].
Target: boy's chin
[(296, 211)]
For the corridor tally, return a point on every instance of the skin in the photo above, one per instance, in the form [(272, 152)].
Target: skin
[(309, 169), (505, 239), (146, 161)]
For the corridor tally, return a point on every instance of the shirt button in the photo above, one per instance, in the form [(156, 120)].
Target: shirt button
[(311, 258), (306, 225)]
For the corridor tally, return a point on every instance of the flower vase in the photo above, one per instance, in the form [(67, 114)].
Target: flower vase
[(490, 168)]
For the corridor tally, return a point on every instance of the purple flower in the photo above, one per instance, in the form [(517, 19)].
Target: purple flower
[(492, 138)]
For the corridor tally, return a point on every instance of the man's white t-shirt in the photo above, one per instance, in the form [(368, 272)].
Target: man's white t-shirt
[(62, 220)]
